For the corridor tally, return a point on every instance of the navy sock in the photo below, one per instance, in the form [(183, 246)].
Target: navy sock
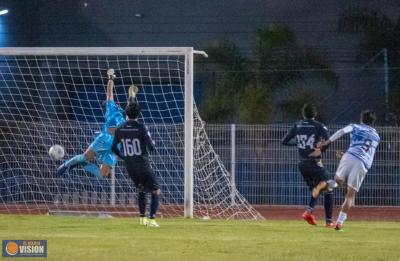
[(328, 204), (311, 205), (154, 205), (142, 203)]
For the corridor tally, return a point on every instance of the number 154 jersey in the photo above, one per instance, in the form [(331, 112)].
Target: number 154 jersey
[(305, 135)]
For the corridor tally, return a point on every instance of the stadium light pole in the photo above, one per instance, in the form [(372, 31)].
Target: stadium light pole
[(3, 37), (4, 11), (386, 83)]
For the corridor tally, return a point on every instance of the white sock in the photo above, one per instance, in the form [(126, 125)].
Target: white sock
[(341, 218)]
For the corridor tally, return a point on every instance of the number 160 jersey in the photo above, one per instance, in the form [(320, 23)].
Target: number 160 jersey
[(136, 142)]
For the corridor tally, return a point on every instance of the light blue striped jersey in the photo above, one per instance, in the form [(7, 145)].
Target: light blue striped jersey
[(363, 143)]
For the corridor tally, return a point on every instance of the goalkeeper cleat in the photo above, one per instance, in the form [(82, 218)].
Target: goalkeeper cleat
[(310, 218), (133, 90), (143, 221), (62, 169), (152, 223)]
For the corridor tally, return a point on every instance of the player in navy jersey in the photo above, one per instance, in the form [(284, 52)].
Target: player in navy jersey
[(101, 146), (305, 134), (356, 161), (136, 143)]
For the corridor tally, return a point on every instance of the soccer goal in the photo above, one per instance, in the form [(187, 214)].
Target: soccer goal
[(55, 96)]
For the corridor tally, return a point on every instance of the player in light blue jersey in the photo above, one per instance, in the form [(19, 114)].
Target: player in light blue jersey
[(357, 160), (101, 146)]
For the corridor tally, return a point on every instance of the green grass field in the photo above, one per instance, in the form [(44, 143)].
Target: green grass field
[(88, 238)]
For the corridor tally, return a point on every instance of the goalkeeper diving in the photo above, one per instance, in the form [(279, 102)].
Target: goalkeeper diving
[(101, 146)]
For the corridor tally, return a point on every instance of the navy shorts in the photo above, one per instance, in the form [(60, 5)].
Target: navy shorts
[(313, 172), (144, 180)]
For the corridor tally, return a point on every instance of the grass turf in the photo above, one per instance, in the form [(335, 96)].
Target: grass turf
[(83, 238)]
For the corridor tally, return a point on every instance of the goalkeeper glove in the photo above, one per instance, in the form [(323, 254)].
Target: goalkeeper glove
[(110, 74)]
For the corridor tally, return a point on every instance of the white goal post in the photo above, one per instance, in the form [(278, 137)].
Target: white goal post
[(50, 96)]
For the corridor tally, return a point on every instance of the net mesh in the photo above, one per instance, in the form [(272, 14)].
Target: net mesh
[(47, 100)]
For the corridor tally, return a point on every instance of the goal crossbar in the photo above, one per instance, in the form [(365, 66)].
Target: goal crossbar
[(97, 51)]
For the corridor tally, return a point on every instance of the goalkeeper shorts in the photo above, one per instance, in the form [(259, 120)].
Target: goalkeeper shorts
[(102, 147)]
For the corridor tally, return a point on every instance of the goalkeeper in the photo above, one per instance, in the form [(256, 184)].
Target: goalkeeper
[(101, 146)]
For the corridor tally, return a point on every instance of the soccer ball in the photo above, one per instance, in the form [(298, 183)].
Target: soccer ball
[(56, 152)]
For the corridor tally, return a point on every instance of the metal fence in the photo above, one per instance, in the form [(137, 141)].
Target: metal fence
[(266, 172)]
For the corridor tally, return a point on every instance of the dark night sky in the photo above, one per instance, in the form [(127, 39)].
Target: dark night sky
[(173, 23)]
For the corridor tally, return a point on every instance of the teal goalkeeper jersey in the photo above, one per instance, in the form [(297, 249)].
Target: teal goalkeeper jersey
[(114, 116)]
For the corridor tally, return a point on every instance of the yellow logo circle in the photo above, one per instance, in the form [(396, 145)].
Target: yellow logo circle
[(12, 248)]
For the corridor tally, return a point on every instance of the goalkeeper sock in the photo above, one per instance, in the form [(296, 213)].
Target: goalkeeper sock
[(75, 160), (328, 205), (154, 205), (142, 203), (93, 169)]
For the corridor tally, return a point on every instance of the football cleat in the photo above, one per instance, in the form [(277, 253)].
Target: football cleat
[(152, 223), (143, 221), (332, 184), (133, 90), (330, 224), (62, 169), (339, 227), (309, 218)]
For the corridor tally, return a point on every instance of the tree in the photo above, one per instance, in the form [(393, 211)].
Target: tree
[(290, 72), (231, 76), (291, 98), (255, 105), (244, 90)]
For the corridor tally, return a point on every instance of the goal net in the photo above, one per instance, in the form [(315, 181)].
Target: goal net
[(55, 96)]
